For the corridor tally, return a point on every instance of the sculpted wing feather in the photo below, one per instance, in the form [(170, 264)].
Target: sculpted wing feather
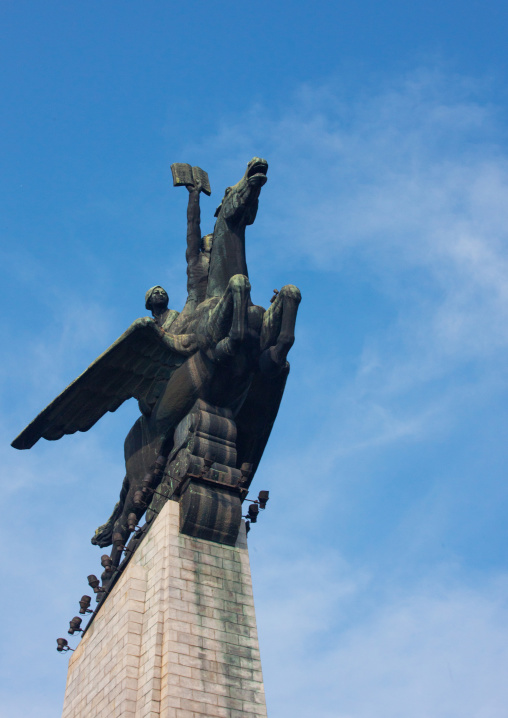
[(134, 366)]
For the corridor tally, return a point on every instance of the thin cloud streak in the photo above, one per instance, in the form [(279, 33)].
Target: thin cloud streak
[(411, 187), (352, 645)]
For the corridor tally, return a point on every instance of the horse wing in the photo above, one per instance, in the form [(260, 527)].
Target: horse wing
[(255, 419), (138, 365)]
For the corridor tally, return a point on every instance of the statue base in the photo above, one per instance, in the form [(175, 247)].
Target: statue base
[(176, 637), (201, 474)]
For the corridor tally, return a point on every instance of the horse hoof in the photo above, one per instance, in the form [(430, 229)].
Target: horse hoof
[(270, 363)]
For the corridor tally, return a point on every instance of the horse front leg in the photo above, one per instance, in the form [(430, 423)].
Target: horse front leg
[(278, 330), (228, 320)]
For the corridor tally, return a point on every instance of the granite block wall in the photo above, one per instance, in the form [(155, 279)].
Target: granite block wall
[(176, 638)]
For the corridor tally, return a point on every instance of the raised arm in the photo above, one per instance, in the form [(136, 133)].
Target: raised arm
[(193, 224), (197, 261)]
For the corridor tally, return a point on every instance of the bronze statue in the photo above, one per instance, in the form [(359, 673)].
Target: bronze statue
[(221, 350)]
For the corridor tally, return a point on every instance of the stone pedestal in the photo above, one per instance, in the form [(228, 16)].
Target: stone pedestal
[(176, 638)]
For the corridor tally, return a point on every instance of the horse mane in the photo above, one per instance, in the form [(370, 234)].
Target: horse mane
[(226, 192)]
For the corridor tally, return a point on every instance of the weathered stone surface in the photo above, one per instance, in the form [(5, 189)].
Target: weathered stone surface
[(176, 638)]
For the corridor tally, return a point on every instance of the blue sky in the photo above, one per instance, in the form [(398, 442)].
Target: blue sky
[(380, 564)]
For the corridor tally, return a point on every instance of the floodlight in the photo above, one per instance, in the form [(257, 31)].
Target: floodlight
[(106, 561), (85, 604), (132, 521), (74, 625), (253, 512), (263, 498), (94, 583), (61, 645)]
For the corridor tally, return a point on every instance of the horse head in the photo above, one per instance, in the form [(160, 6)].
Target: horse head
[(237, 210), (240, 202)]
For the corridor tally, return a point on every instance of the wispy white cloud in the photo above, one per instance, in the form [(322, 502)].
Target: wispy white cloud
[(408, 186), (340, 647)]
